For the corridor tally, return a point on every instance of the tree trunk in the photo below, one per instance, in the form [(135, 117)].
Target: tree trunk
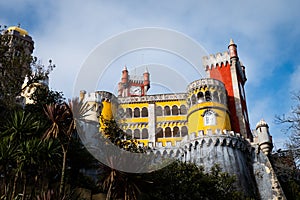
[(63, 169), (14, 186), (24, 187), (108, 195), (5, 185)]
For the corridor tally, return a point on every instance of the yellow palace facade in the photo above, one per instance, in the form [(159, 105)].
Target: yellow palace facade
[(164, 119)]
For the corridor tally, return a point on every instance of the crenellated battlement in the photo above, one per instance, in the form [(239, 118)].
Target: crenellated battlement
[(215, 59), (218, 138), (224, 138), (205, 82)]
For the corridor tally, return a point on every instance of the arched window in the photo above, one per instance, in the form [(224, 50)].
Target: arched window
[(207, 96), (216, 97), (183, 110), (144, 112), (159, 133), (136, 112), (128, 112), (137, 134), (128, 133), (200, 97), (167, 111), (145, 133), (209, 118), (174, 110), (158, 111), (193, 99), (168, 132), (176, 132), (184, 131)]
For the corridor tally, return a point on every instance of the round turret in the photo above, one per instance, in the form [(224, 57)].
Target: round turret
[(124, 75), (207, 102), (146, 81), (264, 138), (146, 77), (232, 49)]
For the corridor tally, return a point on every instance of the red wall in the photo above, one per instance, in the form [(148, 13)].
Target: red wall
[(223, 73)]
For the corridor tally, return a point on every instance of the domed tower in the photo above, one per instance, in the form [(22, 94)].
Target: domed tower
[(18, 36), (15, 62), (264, 139), (207, 103)]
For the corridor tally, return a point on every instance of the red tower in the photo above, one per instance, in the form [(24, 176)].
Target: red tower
[(133, 86), (227, 68)]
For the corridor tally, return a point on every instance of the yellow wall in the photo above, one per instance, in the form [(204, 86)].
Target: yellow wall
[(107, 112), (196, 119)]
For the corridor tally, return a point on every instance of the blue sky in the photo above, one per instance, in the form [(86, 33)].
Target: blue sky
[(267, 34)]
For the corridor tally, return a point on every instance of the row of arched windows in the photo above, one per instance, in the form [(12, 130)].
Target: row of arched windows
[(138, 134), (168, 132), (165, 111), (174, 110), (206, 96), (136, 112), (160, 133)]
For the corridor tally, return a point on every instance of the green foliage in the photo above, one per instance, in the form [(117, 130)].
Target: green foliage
[(24, 156), (188, 181), (21, 125), (28, 164), (118, 184), (119, 138), (43, 96)]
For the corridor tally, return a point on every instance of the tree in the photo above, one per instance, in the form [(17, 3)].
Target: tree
[(20, 126), (115, 183), (292, 126), (22, 152), (286, 163), (7, 161), (187, 181), (62, 128)]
